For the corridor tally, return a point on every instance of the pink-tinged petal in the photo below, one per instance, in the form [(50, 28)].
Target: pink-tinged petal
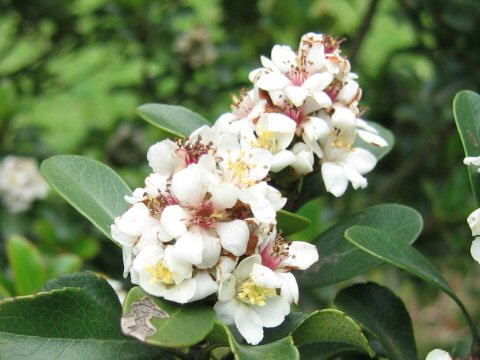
[(205, 286), (273, 312), (226, 310), (189, 186), (227, 288), (281, 160), (301, 256), (244, 268), (265, 277), (289, 289), (181, 293), (334, 178), (296, 94), (273, 81), (370, 138), (189, 247), (163, 157), (174, 220), (360, 159), (318, 81), (234, 236), (249, 324)]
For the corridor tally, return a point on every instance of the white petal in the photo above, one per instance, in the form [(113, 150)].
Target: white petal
[(296, 94), (189, 247), (438, 354), (273, 81), (281, 160), (156, 184), (244, 268), (360, 159), (473, 221), (343, 118), (226, 290), (181, 293), (318, 81), (205, 286), (370, 138), (136, 220), (283, 57), (357, 180), (224, 196), (234, 236), (189, 186), (225, 266), (226, 310), (322, 99), (180, 269), (163, 158), (348, 92), (471, 160), (301, 255), (249, 324), (211, 251), (174, 220), (265, 277), (120, 237), (275, 198), (334, 178), (273, 312), (261, 161), (475, 249), (289, 288)]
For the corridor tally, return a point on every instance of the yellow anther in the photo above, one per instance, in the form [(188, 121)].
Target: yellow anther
[(266, 139), (160, 273), (253, 294)]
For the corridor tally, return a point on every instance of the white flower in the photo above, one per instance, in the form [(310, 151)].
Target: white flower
[(438, 354), (21, 183), (473, 221), (248, 298), (281, 257), (303, 163), (475, 249), (472, 161), (160, 273), (273, 132)]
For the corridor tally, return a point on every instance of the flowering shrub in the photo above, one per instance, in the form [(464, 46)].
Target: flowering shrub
[(206, 237)]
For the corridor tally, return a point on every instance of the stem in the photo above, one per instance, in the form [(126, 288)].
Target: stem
[(475, 349)]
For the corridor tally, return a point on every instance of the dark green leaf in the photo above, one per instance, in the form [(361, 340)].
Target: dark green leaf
[(290, 223), (26, 262), (325, 351), (91, 187), (330, 326), (173, 325), (383, 314), (175, 120), (79, 318), (379, 244), (285, 329), (339, 260), (466, 110)]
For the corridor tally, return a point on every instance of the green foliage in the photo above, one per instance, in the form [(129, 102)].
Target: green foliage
[(382, 313), (78, 318), (175, 120), (291, 223), (466, 109), (339, 260), (91, 187)]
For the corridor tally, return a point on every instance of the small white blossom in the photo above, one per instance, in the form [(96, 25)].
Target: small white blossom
[(438, 354), (248, 298), (21, 183)]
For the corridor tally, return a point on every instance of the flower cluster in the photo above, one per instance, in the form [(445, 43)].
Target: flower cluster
[(21, 183), (303, 107), (473, 219), (204, 225)]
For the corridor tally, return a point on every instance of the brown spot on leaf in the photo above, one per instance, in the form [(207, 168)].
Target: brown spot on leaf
[(137, 323), (472, 138)]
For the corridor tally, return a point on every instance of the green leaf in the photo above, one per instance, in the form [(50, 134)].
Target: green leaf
[(466, 110), (290, 223), (281, 349), (91, 187), (285, 329), (339, 260), (331, 325), (326, 351), (382, 313), (172, 325), (27, 265), (379, 244), (78, 322), (63, 264), (175, 120), (379, 152)]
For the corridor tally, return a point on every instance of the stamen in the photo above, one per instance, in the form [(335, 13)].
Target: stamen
[(160, 273), (253, 294)]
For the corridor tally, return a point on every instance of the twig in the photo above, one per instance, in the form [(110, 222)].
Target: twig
[(363, 29)]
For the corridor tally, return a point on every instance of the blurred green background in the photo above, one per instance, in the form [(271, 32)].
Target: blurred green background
[(73, 72)]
